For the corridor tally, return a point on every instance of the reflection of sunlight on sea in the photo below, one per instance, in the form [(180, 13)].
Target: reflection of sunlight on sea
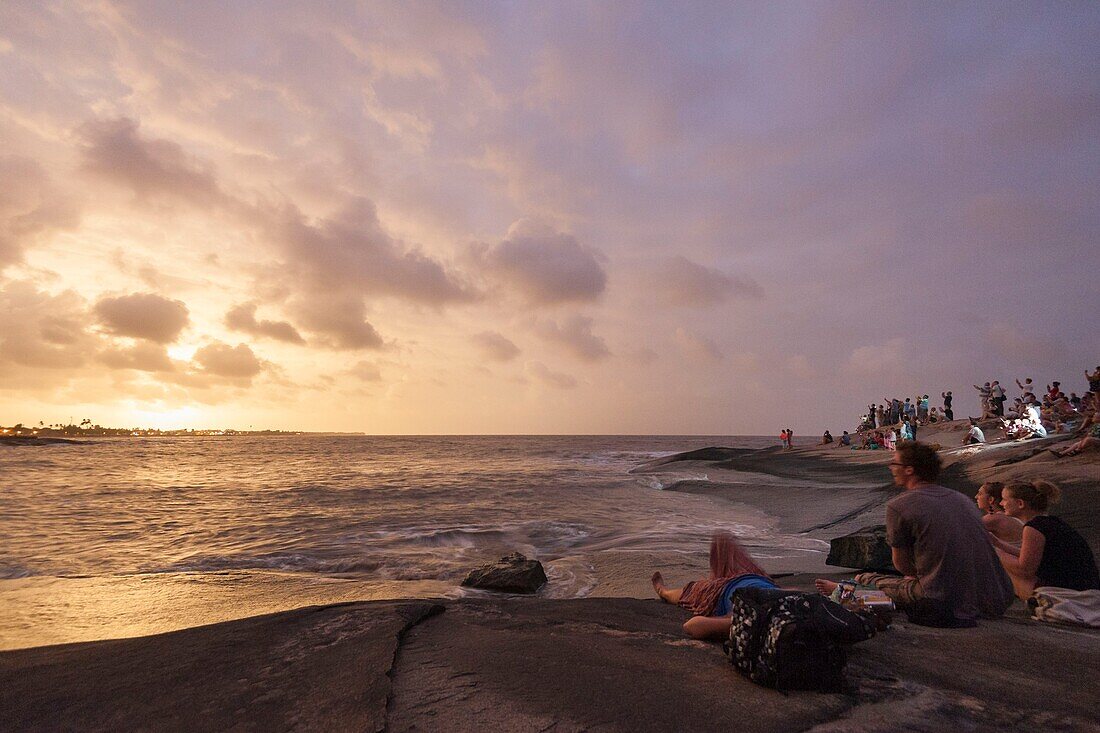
[(38, 611), (278, 517)]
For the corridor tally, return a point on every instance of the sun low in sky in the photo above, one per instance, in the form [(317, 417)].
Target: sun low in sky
[(567, 217)]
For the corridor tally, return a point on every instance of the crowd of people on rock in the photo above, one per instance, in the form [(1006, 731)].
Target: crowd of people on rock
[(894, 411), (1032, 414), (897, 419), (957, 563), (1037, 413)]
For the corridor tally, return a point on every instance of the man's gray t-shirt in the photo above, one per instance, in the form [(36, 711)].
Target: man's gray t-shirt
[(954, 558)]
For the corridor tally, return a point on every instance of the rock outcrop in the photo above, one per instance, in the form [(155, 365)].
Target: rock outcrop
[(864, 549), (315, 668), (526, 664), (513, 573)]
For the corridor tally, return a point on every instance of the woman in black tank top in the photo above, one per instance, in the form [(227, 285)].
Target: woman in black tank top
[(1051, 552)]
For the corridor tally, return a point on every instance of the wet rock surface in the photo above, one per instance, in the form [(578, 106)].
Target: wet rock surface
[(513, 573)]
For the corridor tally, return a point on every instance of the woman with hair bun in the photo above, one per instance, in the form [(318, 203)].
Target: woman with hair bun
[(1051, 552)]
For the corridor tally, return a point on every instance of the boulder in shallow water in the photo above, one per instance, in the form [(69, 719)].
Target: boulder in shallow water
[(865, 549), (511, 574)]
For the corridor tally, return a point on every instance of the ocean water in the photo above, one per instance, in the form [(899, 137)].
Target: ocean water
[(115, 537)]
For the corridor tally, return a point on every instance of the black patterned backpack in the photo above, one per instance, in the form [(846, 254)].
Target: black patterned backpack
[(792, 641)]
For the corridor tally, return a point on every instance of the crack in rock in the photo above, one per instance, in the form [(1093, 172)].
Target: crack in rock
[(431, 612)]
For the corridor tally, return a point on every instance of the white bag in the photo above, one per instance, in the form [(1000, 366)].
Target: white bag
[(1062, 605)]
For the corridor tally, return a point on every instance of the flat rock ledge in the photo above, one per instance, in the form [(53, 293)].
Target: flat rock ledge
[(864, 549), (530, 664), (513, 573)]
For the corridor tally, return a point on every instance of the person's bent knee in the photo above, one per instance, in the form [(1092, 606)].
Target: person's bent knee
[(695, 627), (708, 627)]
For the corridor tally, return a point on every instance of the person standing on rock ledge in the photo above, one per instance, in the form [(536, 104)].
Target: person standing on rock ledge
[(951, 572)]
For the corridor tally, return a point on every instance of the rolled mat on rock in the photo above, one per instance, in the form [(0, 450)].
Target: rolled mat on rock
[(864, 549)]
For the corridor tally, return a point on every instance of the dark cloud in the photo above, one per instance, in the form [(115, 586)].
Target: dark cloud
[(29, 207), (544, 266), (232, 362), (41, 330), (681, 282), (576, 336), (62, 330), (339, 321), (143, 315), (495, 346), (142, 356), (115, 150), (243, 318), (546, 375), (696, 346), (366, 371), (350, 250)]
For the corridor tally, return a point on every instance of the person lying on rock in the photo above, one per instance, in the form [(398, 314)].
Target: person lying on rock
[(1051, 553), (731, 567), (939, 543), (1087, 443), (997, 523)]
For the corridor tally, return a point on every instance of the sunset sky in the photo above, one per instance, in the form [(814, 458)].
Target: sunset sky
[(544, 217)]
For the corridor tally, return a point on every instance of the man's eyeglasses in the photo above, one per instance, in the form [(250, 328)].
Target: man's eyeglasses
[(899, 465)]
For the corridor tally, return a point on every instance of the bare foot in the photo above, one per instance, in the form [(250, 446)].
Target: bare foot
[(825, 587), (658, 581)]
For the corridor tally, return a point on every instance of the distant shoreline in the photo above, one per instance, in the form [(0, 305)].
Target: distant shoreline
[(53, 435)]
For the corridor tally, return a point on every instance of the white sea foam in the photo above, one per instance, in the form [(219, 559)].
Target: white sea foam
[(13, 572), (667, 480)]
